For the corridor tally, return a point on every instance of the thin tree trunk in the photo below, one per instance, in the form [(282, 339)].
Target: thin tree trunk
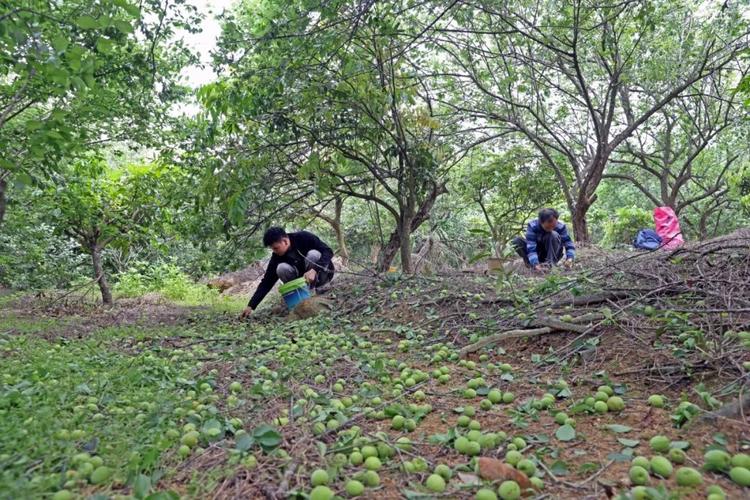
[(99, 275), (3, 186), (340, 239), (405, 246), (580, 226)]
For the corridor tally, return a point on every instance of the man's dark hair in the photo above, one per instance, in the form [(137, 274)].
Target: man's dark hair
[(272, 235), (546, 214)]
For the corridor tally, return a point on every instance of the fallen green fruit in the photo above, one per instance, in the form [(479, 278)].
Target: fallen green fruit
[(443, 471), (687, 476), (513, 457), (527, 467), (321, 493), (638, 475), (372, 463), (659, 444), (661, 467), (615, 403), (740, 475), (741, 460), (354, 488), (319, 477), (642, 462), (435, 483), (716, 460), (677, 456), (656, 400), (601, 407), (640, 493), (485, 494), (101, 475), (509, 490), (67, 495)]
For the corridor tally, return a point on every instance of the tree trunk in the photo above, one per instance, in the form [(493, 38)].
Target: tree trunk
[(340, 240), (393, 246), (580, 226), (405, 240), (99, 275), (3, 186)]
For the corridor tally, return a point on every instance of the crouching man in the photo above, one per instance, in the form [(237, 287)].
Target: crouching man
[(294, 255), (545, 239)]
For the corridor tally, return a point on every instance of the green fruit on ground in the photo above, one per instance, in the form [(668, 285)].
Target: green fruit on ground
[(606, 389), (659, 444), (513, 457), (485, 494), (404, 443), (356, 458), (470, 393), (373, 463), (496, 397), (321, 493), (85, 469), (537, 483), (183, 451), (642, 462), (615, 403), (474, 435), (687, 476), (508, 397), (716, 490), (463, 421), (235, 387), (475, 425), (526, 466), (656, 400), (67, 495), (371, 478), (461, 445), (354, 488), (435, 483), (474, 449), (560, 418), (714, 496), (601, 407), (191, 438), (640, 493), (741, 460), (470, 411), (638, 475), (101, 475), (716, 460), (485, 404), (509, 490), (661, 467), (369, 451), (676, 456), (318, 477), (519, 442), (444, 471), (397, 423), (740, 475)]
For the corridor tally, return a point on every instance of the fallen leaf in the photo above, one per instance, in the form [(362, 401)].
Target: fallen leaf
[(469, 479), (493, 469)]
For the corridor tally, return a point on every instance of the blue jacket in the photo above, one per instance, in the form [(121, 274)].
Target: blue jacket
[(535, 231)]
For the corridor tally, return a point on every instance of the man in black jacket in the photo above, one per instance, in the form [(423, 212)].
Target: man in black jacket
[(300, 254)]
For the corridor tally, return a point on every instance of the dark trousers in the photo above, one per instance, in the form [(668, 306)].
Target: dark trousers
[(549, 248)]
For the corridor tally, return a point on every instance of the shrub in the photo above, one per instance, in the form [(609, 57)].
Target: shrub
[(621, 228)]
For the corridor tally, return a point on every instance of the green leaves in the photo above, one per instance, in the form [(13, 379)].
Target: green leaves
[(267, 437), (87, 22), (618, 428), (565, 433)]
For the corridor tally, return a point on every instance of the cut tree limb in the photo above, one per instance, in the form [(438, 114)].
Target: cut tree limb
[(544, 325)]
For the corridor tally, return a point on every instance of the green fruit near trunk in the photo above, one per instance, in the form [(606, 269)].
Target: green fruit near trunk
[(677, 456), (661, 467), (740, 475), (638, 475), (687, 476)]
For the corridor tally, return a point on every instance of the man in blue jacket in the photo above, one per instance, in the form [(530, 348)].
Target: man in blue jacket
[(294, 255), (545, 239)]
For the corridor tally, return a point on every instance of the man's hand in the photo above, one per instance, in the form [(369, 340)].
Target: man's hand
[(568, 263), (246, 312), (538, 267), (310, 276)]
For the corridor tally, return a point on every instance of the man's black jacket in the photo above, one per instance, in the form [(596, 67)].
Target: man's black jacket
[(301, 242)]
